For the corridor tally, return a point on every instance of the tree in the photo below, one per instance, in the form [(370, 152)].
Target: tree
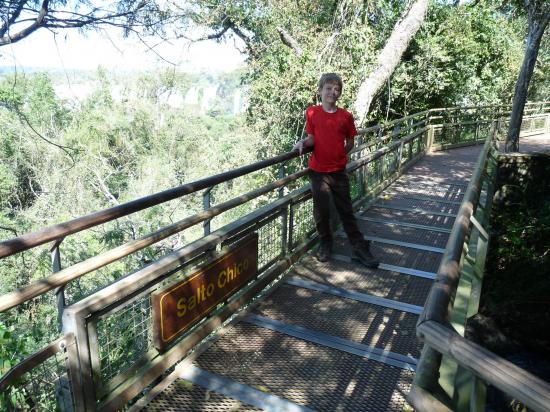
[(289, 44), (21, 18), (465, 55), (538, 16), (390, 56)]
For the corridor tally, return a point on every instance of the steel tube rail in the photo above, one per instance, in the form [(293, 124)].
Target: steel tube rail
[(33, 239), (35, 359), (433, 324), (58, 279), (382, 151), (513, 380), (30, 240), (441, 109), (12, 299), (437, 306)]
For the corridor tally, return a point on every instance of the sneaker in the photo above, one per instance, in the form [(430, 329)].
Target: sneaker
[(323, 253), (366, 258)]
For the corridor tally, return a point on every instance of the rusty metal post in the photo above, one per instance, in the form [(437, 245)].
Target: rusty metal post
[(284, 214), (205, 206), (60, 291), (399, 158), (361, 173), (430, 141)]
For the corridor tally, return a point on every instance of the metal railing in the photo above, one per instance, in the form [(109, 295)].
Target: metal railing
[(112, 359), (452, 371)]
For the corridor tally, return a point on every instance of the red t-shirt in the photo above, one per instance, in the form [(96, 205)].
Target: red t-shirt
[(330, 131)]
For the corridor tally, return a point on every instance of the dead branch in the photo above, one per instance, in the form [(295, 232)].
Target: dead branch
[(289, 41)]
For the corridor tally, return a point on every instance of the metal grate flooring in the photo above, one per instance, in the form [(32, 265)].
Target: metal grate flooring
[(365, 323), (337, 336), (413, 235), (307, 374), (182, 395), (381, 283)]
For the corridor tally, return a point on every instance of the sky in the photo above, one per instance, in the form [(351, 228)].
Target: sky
[(72, 50)]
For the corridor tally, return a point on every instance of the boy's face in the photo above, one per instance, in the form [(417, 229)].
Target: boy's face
[(330, 92)]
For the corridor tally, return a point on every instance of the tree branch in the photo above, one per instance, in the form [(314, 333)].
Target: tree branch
[(12, 18), (389, 57), (214, 36), (62, 19), (289, 41), (9, 229), (38, 22), (25, 119), (228, 24)]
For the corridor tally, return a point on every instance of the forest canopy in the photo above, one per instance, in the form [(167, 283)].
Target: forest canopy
[(60, 159)]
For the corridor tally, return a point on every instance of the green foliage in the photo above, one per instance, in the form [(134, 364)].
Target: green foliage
[(333, 36), (539, 89), (462, 56), (12, 350), (126, 141), (517, 284)]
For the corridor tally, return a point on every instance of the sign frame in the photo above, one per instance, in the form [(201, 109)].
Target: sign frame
[(199, 293)]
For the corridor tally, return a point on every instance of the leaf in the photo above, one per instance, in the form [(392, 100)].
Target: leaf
[(185, 384)]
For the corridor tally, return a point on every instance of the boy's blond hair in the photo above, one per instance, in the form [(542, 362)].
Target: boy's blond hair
[(330, 78)]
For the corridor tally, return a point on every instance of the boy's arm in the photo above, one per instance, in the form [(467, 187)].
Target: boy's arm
[(349, 144), (305, 143)]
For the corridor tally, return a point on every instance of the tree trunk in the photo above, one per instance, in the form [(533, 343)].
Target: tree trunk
[(534, 36), (389, 57)]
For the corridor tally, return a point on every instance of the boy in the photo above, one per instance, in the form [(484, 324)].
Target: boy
[(330, 131)]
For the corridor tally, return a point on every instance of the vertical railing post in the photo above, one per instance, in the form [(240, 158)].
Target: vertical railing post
[(427, 370), (60, 291), (205, 206), (284, 214), (82, 381), (361, 173), (379, 162), (431, 134), (396, 131), (291, 226), (399, 158)]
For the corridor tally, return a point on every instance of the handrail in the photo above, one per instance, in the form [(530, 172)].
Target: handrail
[(12, 299), (511, 379), (30, 240), (441, 293), (439, 109), (37, 358), (416, 124), (433, 326), (61, 230)]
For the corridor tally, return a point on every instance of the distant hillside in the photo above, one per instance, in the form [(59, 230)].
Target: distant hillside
[(222, 92)]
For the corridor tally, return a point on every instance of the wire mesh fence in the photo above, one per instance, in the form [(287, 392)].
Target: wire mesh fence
[(124, 337), (44, 387), (302, 224)]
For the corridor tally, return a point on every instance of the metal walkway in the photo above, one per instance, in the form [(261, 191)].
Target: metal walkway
[(335, 336)]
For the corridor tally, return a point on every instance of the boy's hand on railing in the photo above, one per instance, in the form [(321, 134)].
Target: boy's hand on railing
[(299, 146)]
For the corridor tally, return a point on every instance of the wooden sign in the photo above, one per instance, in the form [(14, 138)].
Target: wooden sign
[(181, 305)]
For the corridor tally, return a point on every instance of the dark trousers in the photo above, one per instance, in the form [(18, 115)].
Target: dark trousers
[(323, 185)]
